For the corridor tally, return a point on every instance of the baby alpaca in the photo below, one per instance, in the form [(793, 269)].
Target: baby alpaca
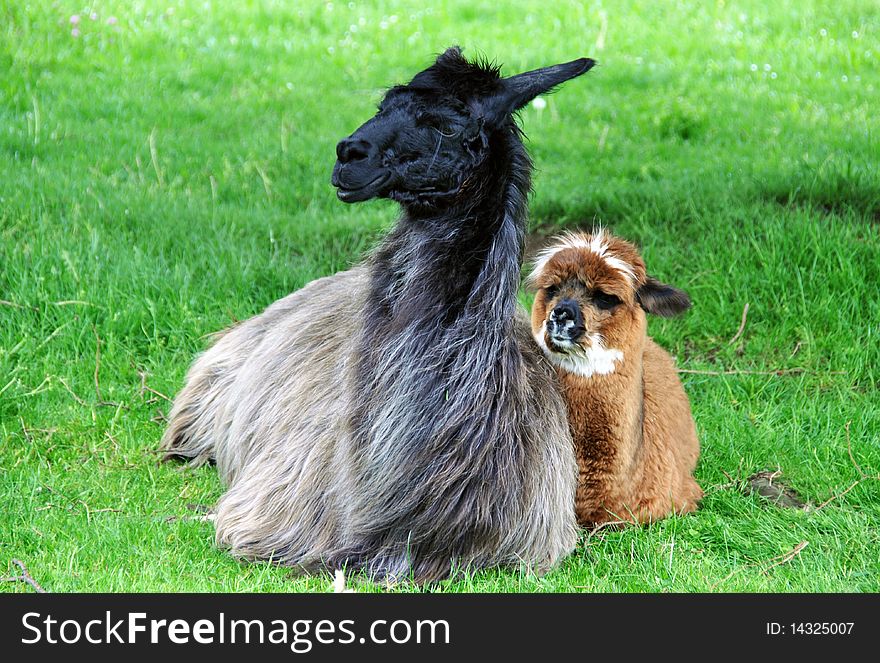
[(634, 435)]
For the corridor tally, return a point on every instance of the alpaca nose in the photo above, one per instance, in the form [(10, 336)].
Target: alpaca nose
[(565, 311), (352, 149)]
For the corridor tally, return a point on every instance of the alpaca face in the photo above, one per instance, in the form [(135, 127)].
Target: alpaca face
[(592, 295), (431, 135)]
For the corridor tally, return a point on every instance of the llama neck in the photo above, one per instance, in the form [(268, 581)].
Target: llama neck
[(436, 358), (435, 268)]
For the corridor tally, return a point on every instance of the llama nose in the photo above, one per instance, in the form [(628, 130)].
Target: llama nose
[(352, 149), (565, 311)]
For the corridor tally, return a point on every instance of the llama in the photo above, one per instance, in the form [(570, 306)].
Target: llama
[(634, 435), (397, 418)]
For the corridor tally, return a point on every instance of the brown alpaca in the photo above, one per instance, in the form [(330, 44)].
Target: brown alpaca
[(630, 418)]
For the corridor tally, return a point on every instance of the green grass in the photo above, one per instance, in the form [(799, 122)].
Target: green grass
[(164, 176)]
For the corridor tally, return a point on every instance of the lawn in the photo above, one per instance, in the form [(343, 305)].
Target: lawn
[(164, 172)]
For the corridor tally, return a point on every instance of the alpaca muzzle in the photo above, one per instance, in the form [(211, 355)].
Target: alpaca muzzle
[(565, 324)]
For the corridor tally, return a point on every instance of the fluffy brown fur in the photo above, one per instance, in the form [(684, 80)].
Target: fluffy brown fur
[(634, 435)]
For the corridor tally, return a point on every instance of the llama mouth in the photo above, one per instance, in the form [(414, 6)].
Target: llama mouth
[(369, 190)]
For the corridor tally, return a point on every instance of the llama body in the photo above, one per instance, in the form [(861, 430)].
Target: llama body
[(630, 418), (384, 418)]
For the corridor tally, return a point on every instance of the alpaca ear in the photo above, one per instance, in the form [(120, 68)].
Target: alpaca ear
[(521, 89), (662, 299)]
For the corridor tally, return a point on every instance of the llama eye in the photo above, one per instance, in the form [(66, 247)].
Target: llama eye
[(550, 291), (605, 300), (432, 122)]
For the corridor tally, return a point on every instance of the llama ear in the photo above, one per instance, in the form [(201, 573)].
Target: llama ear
[(521, 89), (662, 299)]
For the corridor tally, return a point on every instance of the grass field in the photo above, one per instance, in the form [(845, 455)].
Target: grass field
[(164, 171)]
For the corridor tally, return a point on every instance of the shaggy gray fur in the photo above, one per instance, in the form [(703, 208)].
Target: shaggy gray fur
[(270, 403), (396, 417)]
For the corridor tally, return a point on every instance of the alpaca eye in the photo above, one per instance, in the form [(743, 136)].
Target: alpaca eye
[(550, 291), (605, 300)]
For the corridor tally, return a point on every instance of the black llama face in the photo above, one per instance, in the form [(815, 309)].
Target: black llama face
[(431, 135)]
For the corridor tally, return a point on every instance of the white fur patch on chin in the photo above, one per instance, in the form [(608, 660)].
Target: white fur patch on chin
[(595, 360)]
